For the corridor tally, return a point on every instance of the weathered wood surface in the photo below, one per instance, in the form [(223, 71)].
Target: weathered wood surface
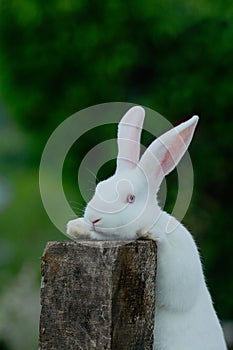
[(98, 295)]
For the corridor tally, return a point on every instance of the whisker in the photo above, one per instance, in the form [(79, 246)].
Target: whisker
[(90, 189), (92, 183), (77, 206), (93, 174), (76, 203), (79, 209)]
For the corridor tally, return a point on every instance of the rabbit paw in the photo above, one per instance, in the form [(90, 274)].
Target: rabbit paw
[(78, 229), (141, 234)]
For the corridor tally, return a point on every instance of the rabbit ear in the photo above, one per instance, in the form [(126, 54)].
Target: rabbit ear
[(129, 133), (165, 152)]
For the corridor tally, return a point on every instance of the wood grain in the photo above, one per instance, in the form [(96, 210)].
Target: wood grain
[(98, 295)]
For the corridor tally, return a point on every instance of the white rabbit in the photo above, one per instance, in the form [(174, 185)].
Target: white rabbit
[(125, 207)]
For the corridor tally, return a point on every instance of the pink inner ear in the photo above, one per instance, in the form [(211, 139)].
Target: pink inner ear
[(167, 162), (185, 134), (167, 150), (175, 150)]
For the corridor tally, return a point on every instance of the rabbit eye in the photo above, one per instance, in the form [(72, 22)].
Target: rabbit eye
[(130, 198)]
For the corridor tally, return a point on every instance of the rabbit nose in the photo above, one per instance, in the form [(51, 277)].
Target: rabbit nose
[(95, 221)]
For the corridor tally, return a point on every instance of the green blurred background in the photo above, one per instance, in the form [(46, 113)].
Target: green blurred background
[(58, 57)]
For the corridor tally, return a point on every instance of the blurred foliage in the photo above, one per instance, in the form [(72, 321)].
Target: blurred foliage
[(173, 56)]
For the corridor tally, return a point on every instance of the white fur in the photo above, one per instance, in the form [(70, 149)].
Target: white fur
[(185, 317)]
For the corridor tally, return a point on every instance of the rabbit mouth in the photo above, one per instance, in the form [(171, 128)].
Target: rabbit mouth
[(93, 224)]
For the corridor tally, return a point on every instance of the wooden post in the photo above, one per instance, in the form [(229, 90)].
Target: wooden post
[(98, 295)]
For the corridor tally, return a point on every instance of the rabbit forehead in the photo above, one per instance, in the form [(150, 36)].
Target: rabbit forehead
[(115, 186)]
